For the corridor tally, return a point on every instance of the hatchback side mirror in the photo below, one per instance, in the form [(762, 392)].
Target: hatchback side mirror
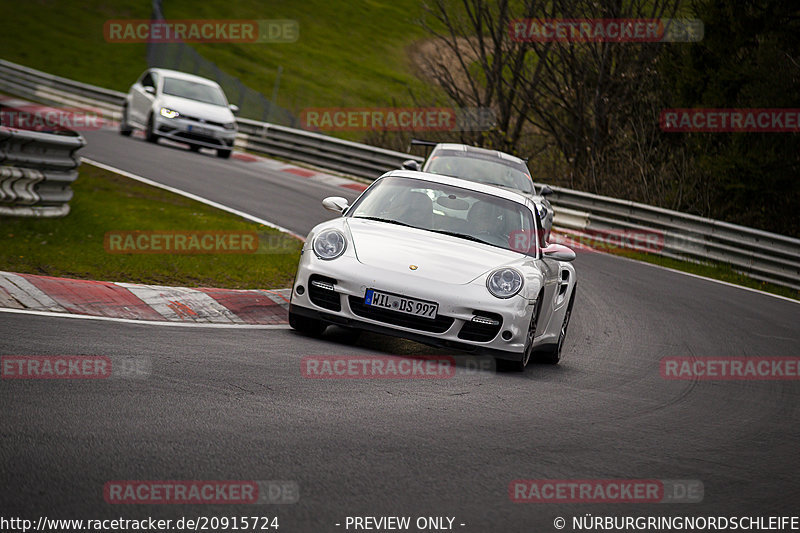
[(149, 89), (234, 108), (546, 191)]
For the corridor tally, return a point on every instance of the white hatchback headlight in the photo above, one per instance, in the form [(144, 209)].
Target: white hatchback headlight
[(169, 113), (329, 244), (504, 283)]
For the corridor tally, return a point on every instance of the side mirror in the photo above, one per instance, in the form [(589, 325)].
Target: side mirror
[(559, 252), (234, 108), (546, 191), (335, 203), (410, 164), (149, 89)]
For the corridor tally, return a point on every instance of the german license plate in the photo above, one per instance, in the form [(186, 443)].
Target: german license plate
[(198, 129), (409, 306)]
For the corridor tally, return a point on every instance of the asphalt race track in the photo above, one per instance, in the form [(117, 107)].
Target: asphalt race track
[(231, 404)]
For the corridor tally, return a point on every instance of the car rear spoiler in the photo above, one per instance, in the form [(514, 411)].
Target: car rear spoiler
[(422, 142)]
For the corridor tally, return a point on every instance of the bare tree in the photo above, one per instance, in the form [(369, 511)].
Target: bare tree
[(584, 97), (479, 66)]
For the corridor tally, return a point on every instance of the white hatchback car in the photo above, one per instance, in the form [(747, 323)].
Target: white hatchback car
[(180, 107)]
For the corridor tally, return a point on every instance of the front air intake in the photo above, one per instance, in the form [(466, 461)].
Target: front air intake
[(322, 292)]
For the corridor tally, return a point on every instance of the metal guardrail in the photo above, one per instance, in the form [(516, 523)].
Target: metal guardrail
[(47, 88), (36, 171), (317, 149), (759, 254)]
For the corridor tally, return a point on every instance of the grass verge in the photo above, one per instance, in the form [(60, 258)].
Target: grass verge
[(74, 246), (347, 54)]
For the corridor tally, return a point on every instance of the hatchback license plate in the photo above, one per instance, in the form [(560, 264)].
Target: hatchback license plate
[(200, 130)]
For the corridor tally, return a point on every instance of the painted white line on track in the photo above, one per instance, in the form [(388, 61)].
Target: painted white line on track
[(190, 196), (145, 322)]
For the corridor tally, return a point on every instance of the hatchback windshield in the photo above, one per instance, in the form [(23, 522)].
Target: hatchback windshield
[(200, 92), (480, 170), (440, 208)]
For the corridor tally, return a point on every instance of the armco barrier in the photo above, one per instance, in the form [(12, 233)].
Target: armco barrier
[(317, 149), (36, 171), (759, 254)]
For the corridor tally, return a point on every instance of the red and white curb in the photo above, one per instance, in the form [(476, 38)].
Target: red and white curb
[(131, 301)]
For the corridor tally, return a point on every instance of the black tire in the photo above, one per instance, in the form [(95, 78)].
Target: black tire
[(552, 355), (194, 148), (309, 326), (150, 135), (224, 154), (124, 128), (519, 366)]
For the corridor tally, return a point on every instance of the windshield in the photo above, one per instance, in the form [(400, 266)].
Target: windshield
[(449, 210), (481, 170), (200, 92)]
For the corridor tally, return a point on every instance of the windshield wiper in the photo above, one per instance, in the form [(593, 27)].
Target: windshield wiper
[(388, 220), (463, 236)]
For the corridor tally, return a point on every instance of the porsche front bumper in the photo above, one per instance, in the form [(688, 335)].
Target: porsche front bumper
[(342, 302)]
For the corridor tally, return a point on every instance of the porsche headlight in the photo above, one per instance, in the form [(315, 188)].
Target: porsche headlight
[(329, 244), (169, 113), (504, 283)]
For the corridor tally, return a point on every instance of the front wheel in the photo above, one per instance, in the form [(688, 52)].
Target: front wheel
[(124, 128), (552, 355), (149, 134), (224, 154), (519, 366), (309, 326)]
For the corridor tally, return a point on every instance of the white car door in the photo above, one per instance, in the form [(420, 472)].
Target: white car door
[(142, 99)]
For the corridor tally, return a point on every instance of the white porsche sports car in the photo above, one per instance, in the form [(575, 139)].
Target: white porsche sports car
[(440, 260)]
